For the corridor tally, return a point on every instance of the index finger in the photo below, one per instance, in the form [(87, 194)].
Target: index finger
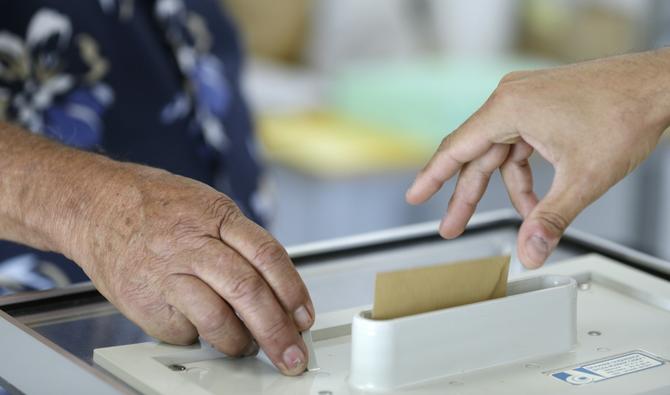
[(241, 286), (271, 260), (471, 140)]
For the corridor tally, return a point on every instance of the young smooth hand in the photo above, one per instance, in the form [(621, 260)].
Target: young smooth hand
[(594, 122)]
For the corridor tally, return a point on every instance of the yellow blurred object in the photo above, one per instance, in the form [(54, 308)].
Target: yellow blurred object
[(326, 145), (575, 31), (272, 29)]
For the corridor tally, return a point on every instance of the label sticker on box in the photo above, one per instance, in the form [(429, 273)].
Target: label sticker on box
[(611, 367)]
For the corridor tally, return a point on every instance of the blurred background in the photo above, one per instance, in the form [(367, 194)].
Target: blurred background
[(352, 97)]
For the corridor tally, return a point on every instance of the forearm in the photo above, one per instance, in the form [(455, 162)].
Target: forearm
[(47, 190)]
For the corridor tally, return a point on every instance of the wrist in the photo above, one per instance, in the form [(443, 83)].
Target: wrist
[(654, 75), (67, 201), (49, 192), (77, 217)]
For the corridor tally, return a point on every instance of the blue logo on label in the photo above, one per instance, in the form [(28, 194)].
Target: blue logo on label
[(578, 376)]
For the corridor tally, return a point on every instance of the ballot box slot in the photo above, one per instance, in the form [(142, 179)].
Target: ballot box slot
[(404, 351)]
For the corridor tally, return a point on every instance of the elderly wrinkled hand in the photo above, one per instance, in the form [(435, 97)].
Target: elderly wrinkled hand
[(594, 122), (181, 260)]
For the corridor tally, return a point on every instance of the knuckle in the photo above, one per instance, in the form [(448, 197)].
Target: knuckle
[(555, 222), (434, 181), (274, 331), (214, 321), (446, 142), (507, 78), (512, 76), (218, 265), (231, 348), (174, 328), (502, 94), (446, 149), (480, 170), (181, 336), (216, 328), (269, 255), (506, 95), (523, 164), (182, 229), (246, 287), (134, 292), (225, 209), (467, 199)]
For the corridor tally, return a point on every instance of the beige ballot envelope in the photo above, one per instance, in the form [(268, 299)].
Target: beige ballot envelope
[(418, 290)]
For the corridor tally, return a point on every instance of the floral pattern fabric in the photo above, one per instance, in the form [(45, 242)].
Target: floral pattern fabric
[(155, 82), (37, 90)]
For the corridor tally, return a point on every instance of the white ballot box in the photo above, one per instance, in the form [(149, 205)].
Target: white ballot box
[(594, 320)]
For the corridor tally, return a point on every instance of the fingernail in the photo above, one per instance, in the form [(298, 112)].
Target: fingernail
[(251, 350), (294, 359), (537, 249), (302, 317)]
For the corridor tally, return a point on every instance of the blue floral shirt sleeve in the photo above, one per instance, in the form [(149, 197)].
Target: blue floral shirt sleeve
[(153, 82)]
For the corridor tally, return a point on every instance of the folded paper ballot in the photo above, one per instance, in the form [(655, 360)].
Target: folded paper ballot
[(418, 290)]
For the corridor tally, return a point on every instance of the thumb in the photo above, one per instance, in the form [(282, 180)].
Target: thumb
[(543, 227)]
